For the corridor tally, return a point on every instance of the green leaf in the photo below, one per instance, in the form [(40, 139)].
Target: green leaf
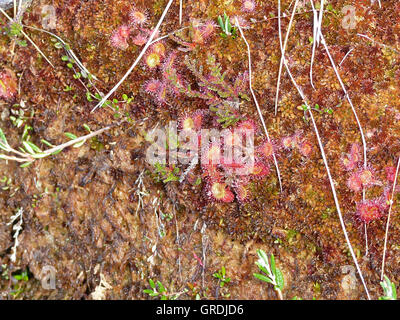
[(229, 26), (15, 29), (221, 23), (3, 137), (262, 268), (79, 144), (262, 278), (22, 43), (273, 268), (148, 291), (56, 152), (389, 289), (3, 147), (279, 279), (26, 164), (161, 287), (47, 143), (87, 128), (33, 146), (88, 96), (152, 284), (70, 135), (28, 147), (263, 256), (394, 291)]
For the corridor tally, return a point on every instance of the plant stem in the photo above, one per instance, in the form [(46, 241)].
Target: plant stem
[(257, 105), (283, 49), (279, 293), (388, 220)]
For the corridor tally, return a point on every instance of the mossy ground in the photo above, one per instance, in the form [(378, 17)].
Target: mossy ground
[(86, 222)]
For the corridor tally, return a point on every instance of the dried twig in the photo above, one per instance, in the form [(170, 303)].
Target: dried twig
[(142, 53), (256, 102), (34, 153), (317, 34), (388, 220), (180, 11), (283, 49), (322, 39), (332, 184)]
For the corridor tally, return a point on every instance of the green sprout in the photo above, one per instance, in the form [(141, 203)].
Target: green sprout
[(389, 289), (18, 288), (221, 276), (226, 27), (222, 281), (29, 152), (272, 274), (113, 104), (165, 173), (158, 290)]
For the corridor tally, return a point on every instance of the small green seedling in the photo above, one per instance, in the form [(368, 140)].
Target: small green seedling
[(272, 274), (157, 290), (389, 289), (18, 289), (15, 31), (29, 152), (226, 27), (165, 173), (221, 276)]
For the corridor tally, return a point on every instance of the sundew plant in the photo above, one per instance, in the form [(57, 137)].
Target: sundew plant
[(202, 150)]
